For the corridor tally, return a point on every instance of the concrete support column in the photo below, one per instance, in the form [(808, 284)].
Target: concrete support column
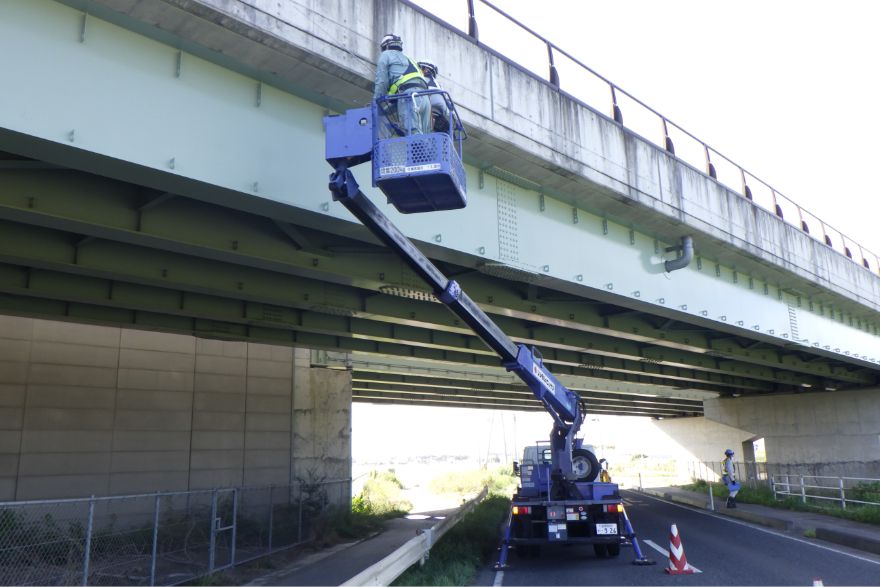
[(321, 442)]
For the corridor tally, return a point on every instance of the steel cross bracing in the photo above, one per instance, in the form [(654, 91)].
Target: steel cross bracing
[(80, 247)]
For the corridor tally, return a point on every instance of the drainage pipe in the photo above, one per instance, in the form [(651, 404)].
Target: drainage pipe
[(686, 254)]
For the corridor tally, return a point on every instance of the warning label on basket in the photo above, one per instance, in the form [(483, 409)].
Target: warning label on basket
[(395, 169)]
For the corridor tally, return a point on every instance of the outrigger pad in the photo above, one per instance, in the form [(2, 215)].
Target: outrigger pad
[(420, 173)]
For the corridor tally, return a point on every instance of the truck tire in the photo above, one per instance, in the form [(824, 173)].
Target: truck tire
[(584, 464), (601, 550), (613, 550)]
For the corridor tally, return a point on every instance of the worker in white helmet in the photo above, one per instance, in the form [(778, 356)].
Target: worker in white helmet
[(728, 475), (397, 74), (439, 109)]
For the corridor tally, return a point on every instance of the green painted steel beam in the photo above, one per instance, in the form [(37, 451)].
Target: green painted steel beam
[(122, 212), (129, 300), (597, 348), (417, 399), (309, 315), (591, 405), (434, 383)]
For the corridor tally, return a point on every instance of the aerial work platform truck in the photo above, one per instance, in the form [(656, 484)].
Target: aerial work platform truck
[(559, 499)]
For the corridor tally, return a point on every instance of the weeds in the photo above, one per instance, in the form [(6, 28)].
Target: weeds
[(456, 557)]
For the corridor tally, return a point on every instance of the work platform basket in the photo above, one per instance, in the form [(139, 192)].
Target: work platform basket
[(418, 172)]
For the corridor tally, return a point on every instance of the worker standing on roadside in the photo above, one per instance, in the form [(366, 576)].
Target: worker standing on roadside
[(728, 475), (397, 74), (439, 109)]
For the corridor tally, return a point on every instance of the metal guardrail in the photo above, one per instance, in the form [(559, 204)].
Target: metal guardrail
[(159, 538), (841, 490), (751, 187), (414, 551)]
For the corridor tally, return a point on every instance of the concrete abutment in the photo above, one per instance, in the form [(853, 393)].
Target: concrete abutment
[(101, 410)]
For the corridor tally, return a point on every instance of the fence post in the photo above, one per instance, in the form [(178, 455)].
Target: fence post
[(803, 490), (299, 526), (711, 498), (640, 483), (234, 525), (155, 540), (842, 495), (271, 515), (88, 547), (213, 532)]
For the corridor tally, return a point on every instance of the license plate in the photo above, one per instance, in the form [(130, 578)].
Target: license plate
[(604, 529)]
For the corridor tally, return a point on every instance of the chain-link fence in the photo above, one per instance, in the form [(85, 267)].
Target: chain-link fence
[(158, 539)]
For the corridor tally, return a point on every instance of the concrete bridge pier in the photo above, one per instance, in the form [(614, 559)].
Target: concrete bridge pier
[(816, 433), (820, 433), (88, 409)]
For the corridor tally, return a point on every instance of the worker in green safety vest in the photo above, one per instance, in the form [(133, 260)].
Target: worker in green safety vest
[(398, 74)]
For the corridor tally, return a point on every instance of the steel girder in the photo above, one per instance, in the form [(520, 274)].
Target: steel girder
[(111, 244)]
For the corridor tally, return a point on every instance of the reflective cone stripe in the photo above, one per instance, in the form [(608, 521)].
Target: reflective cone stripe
[(678, 564)]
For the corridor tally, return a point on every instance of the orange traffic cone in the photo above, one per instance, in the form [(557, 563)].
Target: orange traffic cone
[(678, 564)]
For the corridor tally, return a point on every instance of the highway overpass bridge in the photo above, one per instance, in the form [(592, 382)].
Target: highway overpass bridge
[(162, 180)]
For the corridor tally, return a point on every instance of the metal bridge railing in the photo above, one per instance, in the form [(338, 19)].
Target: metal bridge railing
[(821, 488), (159, 538), (665, 134), (840, 490)]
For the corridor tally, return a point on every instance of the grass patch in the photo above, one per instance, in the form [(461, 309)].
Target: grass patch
[(499, 480), (379, 500), (764, 496), (456, 557)]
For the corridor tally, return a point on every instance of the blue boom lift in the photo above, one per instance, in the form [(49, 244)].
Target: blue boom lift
[(558, 500)]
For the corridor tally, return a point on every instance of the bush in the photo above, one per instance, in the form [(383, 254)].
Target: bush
[(381, 496), (866, 492)]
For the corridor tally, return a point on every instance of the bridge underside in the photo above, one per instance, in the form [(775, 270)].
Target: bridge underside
[(80, 247)]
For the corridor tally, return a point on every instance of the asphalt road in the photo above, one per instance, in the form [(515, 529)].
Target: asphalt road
[(727, 551)]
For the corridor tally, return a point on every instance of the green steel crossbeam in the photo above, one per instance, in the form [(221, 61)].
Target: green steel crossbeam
[(428, 383), (348, 304), (192, 296), (127, 301), (591, 404), (117, 211)]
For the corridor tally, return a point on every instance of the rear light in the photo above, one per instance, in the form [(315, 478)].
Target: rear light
[(614, 508), (517, 510)]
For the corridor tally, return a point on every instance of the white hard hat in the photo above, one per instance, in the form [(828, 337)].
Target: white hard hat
[(391, 41)]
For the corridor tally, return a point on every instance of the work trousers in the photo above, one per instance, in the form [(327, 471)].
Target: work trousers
[(415, 112)]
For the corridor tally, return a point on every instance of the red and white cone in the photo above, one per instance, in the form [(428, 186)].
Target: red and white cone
[(678, 564)]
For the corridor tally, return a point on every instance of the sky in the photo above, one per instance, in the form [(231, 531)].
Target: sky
[(785, 89)]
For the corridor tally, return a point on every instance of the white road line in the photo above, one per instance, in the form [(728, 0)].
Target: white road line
[(499, 577), (760, 529), (665, 553)]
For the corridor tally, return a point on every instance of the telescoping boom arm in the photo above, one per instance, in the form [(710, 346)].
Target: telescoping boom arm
[(526, 362)]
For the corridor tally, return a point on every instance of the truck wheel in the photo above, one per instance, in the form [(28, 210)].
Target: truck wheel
[(601, 550), (614, 550), (584, 465)]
